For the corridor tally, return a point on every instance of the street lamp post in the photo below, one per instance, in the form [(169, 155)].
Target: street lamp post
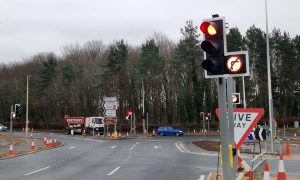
[(269, 81), (27, 97)]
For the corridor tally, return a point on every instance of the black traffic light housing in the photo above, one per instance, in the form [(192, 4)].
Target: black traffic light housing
[(214, 46), (18, 111)]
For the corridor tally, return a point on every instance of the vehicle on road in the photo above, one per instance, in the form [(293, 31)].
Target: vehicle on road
[(82, 125), (169, 131), (2, 127)]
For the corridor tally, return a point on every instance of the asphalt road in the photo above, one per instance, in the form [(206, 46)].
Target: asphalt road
[(132, 159)]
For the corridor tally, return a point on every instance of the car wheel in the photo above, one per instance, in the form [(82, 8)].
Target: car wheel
[(161, 134), (177, 134)]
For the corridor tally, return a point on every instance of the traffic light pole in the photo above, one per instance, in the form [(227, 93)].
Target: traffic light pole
[(231, 118), (224, 128)]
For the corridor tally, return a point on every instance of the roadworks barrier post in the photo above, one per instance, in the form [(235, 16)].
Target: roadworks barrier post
[(247, 168), (98, 135)]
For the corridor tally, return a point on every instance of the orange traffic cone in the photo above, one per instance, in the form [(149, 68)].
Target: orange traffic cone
[(98, 135), (295, 134), (127, 134), (47, 143), (55, 142), (108, 135), (45, 140), (50, 142), (153, 132), (287, 149), (32, 145), (120, 134), (266, 172), (246, 167), (11, 150), (281, 170), (31, 136)]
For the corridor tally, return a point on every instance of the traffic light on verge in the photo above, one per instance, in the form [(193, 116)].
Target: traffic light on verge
[(129, 115), (18, 111), (214, 46)]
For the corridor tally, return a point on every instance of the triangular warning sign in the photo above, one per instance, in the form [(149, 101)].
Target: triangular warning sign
[(244, 121)]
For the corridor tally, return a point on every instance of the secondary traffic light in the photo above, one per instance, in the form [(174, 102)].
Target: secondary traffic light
[(129, 115), (18, 111), (213, 46)]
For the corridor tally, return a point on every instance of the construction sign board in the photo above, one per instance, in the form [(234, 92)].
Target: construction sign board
[(244, 121)]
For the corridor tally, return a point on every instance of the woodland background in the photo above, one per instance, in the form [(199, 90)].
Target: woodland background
[(74, 82)]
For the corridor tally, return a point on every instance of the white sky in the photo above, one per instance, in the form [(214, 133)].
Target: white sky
[(28, 27)]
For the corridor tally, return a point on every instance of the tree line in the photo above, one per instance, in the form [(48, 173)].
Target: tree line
[(176, 91)]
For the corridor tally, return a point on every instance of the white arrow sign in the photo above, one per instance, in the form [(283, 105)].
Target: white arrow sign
[(110, 105), (110, 113), (244, 122), (109, 99)]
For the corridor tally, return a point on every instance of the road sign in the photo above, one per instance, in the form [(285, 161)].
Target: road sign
[(110, 105), (110, 113), (106, 99), (236, 98), (260, 134), (110, 120), (244, 122)]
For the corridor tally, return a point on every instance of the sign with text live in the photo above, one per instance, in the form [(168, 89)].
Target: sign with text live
[(244, 121)]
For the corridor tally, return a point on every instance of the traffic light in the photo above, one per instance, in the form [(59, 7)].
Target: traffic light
[(129, 115), (18, 111), (201, 115), (214, 46)]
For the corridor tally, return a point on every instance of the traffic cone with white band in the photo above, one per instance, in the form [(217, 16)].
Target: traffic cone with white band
[(281, 170), (266, 172), (11, 150), (32, 145)]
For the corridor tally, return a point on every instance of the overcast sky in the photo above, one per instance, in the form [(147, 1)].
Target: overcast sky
[(28, 27)]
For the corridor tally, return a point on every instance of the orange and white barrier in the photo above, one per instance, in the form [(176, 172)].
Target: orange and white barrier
[(281, 170), (247, 168), (266, 172)]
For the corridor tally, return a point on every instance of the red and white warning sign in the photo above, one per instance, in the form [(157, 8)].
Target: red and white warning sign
[(244, 121)]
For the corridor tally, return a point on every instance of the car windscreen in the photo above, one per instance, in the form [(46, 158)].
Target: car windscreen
[(98, 120)]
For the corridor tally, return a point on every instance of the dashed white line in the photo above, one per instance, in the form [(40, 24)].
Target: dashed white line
[(37, 171), (113, 147), (72, 147), (113, 171), (202, 177)]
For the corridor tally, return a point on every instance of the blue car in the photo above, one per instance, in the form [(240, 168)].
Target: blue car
[(169, 131)]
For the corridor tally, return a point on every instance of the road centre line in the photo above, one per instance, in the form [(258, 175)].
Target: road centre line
[(72, 147), (202, 177), (113, 147), (113, 171), (37, 171)]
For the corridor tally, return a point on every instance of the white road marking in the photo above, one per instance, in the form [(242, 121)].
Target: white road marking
[(113, 147), (202, 177), (72, 147), (113, 171), (37, 171), (137, 143), (157, 147)]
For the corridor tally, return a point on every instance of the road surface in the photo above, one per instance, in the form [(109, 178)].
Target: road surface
[(132, 159)]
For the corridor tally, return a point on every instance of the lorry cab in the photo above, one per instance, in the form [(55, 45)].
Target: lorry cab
[(94, 124)]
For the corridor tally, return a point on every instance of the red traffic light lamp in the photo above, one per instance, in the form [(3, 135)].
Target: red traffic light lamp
[(208, 28)]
